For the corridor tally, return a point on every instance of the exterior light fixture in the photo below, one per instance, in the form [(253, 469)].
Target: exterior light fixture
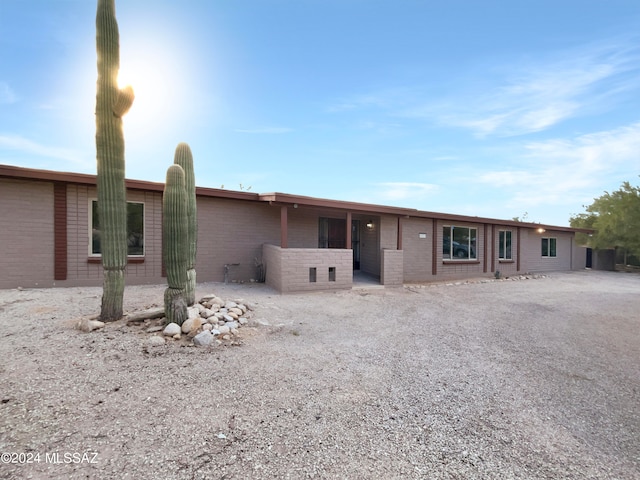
[(540, 230), (370, 224)]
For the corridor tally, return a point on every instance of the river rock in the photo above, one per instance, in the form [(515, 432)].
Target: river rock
[(172, 329), (191, 325), (203, 338)]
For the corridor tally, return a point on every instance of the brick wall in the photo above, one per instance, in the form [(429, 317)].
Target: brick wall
[(392, 274), (230, 232), (288, 269), (417, 246), (86, 269), (26, 234), (532, 259), (505, 266)]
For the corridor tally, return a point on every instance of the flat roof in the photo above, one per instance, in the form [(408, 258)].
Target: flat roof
[(276, 198)]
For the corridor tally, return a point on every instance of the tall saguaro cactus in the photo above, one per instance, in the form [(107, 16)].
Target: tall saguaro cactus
[(111, 105), (174, 244), (184, 158)]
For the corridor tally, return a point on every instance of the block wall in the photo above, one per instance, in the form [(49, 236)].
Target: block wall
[(392, 274), (26, 234), (289, 269)]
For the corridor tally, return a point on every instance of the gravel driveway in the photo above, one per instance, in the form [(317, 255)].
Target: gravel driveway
[(529, 379)]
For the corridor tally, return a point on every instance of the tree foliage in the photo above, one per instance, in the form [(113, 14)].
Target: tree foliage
[(616, 219)]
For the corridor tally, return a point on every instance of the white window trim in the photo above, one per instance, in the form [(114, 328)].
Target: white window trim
[(90, 229), (549, 247), (451, 258), (504, 247)]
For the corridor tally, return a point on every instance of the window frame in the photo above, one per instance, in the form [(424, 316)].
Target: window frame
[(507, 253), (93, 255), (470, 246), (551, 252)]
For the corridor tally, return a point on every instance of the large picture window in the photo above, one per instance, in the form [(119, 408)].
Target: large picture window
[(459, 242), (504, 247), (135, 229), (548, 247)]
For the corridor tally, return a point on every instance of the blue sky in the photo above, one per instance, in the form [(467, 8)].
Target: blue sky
[(488, 108)]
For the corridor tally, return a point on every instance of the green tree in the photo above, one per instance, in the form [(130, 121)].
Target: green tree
[(615, 217)]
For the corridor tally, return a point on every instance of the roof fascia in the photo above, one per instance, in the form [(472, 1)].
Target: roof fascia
[(9, 171)]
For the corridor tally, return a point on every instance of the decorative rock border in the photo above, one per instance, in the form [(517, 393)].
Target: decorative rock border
[(210, 321), (518, 277)]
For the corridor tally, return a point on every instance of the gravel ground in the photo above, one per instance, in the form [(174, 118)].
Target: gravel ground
[(525, 379)]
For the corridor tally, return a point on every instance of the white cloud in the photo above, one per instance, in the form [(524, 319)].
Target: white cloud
[(537, 96), (563, 171), (521, 97), (29, 147)]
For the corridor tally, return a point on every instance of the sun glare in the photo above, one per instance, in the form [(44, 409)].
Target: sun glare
[(151, 91)]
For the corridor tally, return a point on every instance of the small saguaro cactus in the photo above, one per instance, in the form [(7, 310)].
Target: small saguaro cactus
[(184, 158), (111, 105), (174, 244)]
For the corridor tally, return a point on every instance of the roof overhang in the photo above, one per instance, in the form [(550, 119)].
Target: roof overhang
[(282, 199)]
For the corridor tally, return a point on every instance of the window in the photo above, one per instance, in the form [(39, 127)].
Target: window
[(548, 247), (504, 247), (135, 229), (459, 243)]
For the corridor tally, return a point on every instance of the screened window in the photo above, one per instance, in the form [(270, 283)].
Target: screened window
[(135, 229), (504, 248), (459, 242), (548, 247)]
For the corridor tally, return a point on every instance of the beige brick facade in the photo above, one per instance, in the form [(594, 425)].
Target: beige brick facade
[(240, 233)]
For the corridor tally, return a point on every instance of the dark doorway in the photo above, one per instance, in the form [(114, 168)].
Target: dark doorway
[(589, 258), (332, 233), (355, 243), (337, 233)]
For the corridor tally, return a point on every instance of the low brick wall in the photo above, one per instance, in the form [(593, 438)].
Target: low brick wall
[(307, 269), (392, 274)]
